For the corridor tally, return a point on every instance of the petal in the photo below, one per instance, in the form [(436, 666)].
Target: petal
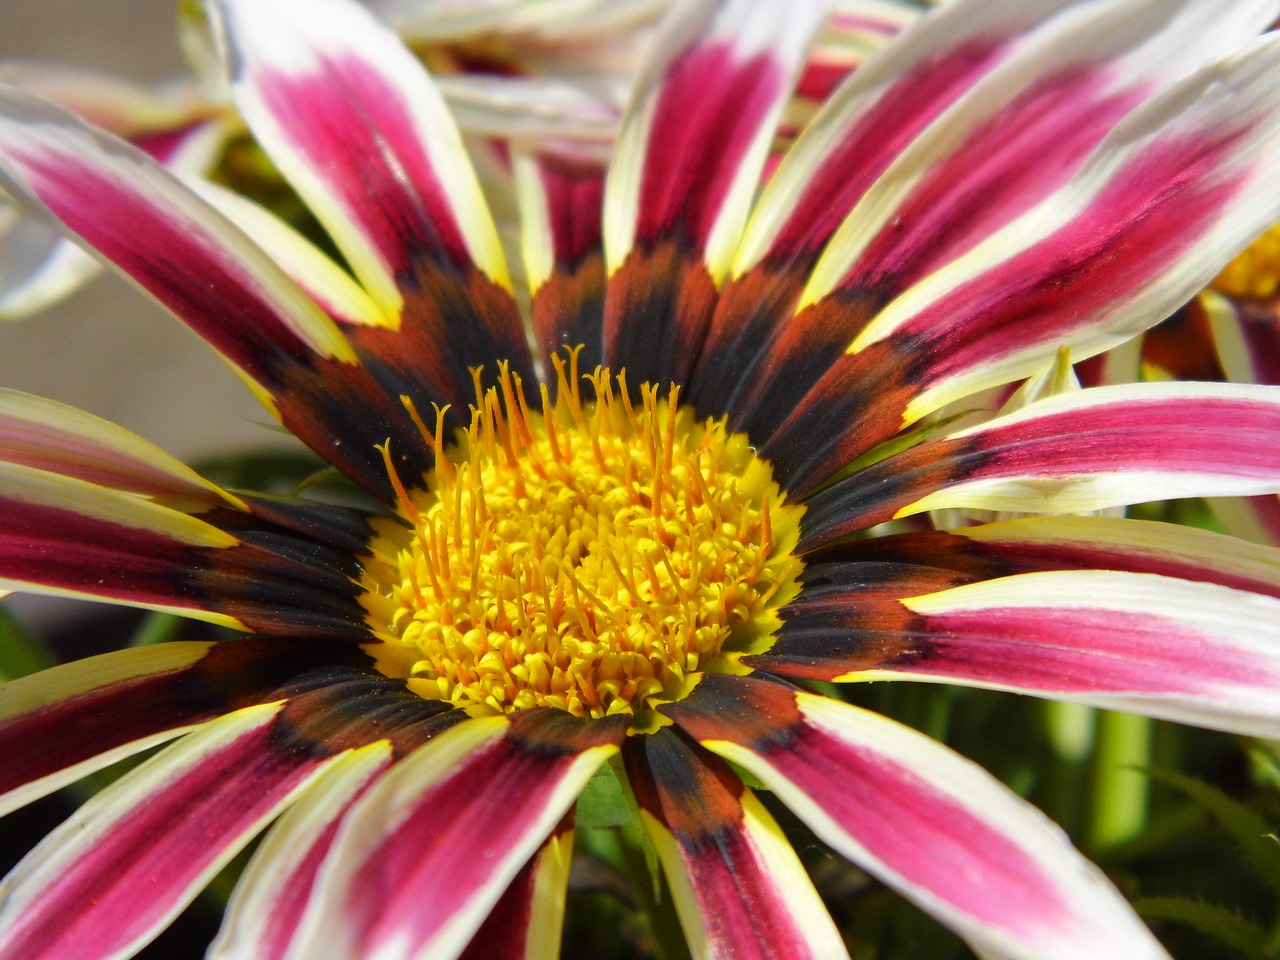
[(311, 268), (357, 127), (934, 826), (263, 911), (864, 125), (264, 916), (1176, 649), (1072, 453), (451, 825), (689, 156), (1246, 335), (64, 536), (125, 864), (60, 439), (1168, 197), (127, 208), (439, 20), (738, 886), (58, 725), (1030, 544), (1013, 140), (355, 124), (528, 921), (1252, 518), (225, 287)]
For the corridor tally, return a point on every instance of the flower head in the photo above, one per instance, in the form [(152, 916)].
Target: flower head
[(643, 539)]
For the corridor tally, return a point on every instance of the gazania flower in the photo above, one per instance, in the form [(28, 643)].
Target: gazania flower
[(640, 542)]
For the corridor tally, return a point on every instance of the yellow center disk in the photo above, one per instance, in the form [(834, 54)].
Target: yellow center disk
[(1255, 273), (592, 556)]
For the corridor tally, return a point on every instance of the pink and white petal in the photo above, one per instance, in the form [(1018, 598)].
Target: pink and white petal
[(312, 269), (355, 124), (738, 886), (689, 156), (1189, 163), (988, 109), (63, 723), (1169, 196), (1021, 133), (126, 207), (1181, 650), (887, 102), (528, 921), (1073, 453), (262, 915), (703, 112), (451, 825), (112, 102), (59, 439), (929, 823), (125, 864)]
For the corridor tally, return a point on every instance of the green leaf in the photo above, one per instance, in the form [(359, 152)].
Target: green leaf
[(21, 652), (1218, 922), (1250, 831), (158, 628), (602, 803)]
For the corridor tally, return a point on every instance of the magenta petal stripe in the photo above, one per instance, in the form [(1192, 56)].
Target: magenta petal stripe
[(451, 825), (1246, 335), (738, 886), (1073, 453), (215, 279), (688, 159), (124, 865), (528, 920), (356, 124), (931, 824), (58, 725), (264, 915), (1181, 649)]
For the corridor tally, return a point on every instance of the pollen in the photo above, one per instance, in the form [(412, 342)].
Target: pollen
[(596, 552), (1255, 273)]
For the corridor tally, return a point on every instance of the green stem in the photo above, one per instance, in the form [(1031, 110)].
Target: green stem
[(1120, 793)]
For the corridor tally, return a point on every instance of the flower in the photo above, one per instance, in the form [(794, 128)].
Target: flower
[(645, 550)]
